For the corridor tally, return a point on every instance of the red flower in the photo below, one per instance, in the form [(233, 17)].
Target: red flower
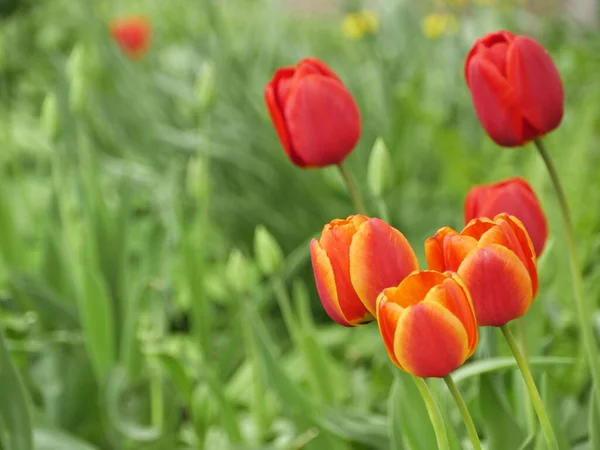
[(132, 34), (496, 261), (353, 261), (513, 196), (515, 86), (316, 118)]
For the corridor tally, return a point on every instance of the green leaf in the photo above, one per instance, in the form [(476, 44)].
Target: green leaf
[(394, 416), (15, 420), (410, 413), (594, 422), (501, 430), (43, 299), (97, 322), (480, 367), (528, 443), (53, 439)]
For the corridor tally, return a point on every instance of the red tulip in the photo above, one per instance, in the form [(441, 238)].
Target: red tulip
[(427, 323), (496, 261), (132, 34), (316, 118), (354, 260), (515, 86), (513, 196)]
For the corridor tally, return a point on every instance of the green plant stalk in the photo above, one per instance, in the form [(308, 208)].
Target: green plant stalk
[(464, 412), (584, 310), (156, 397), (528, 406), (533, 392), (435, 415), (359, 204)]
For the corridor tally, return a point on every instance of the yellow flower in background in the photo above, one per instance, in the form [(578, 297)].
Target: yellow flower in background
[(484, 2), (435, 25), (358, 24)]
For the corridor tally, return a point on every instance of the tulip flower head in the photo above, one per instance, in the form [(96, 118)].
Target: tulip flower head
[(495, 259), (353, 261), (315, 117), (132, 34), (516, 89), (428, 323), (512, 196)]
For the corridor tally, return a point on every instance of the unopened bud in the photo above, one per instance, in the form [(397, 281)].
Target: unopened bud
[(267, 251), (380, 172)]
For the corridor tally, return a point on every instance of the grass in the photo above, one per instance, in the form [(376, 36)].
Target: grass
[(131, 305)]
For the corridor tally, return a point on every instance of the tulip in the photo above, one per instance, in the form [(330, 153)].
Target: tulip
[(428, 323), (132, 34), (315, 117), (513, 196), (496, 260), (354, 260), (516, 88)]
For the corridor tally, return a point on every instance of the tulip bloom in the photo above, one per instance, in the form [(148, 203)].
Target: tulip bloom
[(132, 34), (516, 88), (316, 118), (428, 323), (513, 196), (495, 259), (354, 260)]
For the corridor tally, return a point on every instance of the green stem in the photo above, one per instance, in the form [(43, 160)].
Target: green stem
[(359, 204), (435, 415), (464, 412), (533, 392), (528, 406), (584, 310), (156, 397)]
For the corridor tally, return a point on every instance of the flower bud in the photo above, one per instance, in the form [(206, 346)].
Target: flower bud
[(267, 251), (380, 171)]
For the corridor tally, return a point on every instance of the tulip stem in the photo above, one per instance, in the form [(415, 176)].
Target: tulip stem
[(435, 415), (533, 392), (464, 412), (359, 204), (584, 311), (529, 411)]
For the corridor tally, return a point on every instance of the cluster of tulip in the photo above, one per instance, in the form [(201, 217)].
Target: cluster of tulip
[(484, 275)]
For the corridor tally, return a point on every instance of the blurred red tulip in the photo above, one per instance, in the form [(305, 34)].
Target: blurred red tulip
[(354, 260), (516, 88), (496, 261), (428, 323), (513, 196), (316, 118), (132, 34)]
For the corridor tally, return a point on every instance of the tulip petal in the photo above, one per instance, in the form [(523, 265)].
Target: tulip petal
[(323, 120), (499, 284), (495, 103), (474, 200), (336, 239), (325, 281), (280, 85), (514, 228), (380, 257), (454, 296), (477, 227), (536, 83), (515, 197), (388, 314), (456, 248), (414, 288), (430, 341), (434, 249), (313, 65)]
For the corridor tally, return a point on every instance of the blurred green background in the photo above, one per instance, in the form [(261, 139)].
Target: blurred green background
[(131, 304)]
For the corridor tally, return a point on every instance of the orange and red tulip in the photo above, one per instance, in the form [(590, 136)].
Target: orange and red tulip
[(428, 323), (495, 259), (315, 116), (516, 89), (353, 261), (132, 34), (513, 196)]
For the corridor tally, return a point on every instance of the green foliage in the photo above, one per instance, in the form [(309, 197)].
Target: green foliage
[(131, 308)]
